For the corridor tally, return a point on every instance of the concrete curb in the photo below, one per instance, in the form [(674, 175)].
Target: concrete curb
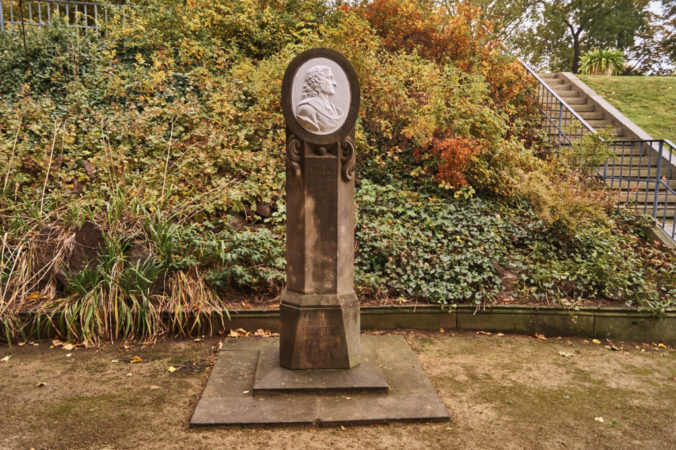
[(656, 233), (622, 323)]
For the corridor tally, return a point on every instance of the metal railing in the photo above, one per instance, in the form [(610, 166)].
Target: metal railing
[(564, 126), (642, 171), (644, 176), (85, 15)]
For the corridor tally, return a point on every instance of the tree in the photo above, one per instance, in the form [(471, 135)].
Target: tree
[(654, 51), (570, 27), (555, 33)]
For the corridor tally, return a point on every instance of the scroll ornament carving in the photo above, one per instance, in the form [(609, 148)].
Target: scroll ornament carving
[(293, 150), (348, 159)]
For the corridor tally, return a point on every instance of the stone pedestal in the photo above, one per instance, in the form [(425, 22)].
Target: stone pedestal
[(319, 331), (319, 308)]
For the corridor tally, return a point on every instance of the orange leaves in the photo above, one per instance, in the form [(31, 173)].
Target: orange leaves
[(430, 30), (454, 155)]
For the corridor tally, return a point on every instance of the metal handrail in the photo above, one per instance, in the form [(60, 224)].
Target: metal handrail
[(35, 17), (557, 97), (644, 176)]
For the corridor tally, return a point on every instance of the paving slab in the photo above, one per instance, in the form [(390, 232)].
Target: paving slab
[(271, 377), (229, 398)]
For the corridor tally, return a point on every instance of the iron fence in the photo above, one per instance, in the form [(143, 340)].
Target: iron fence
[(84, 15), (563, 125), (642, 172), (643, 175)]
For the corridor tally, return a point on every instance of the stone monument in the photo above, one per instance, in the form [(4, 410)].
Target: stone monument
[(319, 309), (259, 381)]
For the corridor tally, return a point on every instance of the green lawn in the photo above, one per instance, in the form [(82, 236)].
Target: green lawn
[(648, 101)]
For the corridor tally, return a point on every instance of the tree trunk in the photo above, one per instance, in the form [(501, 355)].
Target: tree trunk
[(576, 52)]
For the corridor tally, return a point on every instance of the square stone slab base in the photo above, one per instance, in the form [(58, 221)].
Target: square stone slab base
[(271, 377), (245, 388)]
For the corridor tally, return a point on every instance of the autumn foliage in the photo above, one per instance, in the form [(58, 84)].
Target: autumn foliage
[(455, 156), (463, 90)]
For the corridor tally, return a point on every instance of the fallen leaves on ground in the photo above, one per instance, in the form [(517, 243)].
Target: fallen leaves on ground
[(599, 419), (171, 369), (41, 384), (566, 354), (540, 336), (239, 332), (68, 346), (6, 358), (596, 341), (135, 360), (265, 333)]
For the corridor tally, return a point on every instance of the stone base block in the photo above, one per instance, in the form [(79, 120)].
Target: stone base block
[(319, 331), (271, 377), (230, 396)]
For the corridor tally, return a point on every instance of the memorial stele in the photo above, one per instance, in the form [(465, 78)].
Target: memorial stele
[(319, 309)]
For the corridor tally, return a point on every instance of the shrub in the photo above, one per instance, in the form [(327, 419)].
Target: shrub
[(608, 61), (417, 244)]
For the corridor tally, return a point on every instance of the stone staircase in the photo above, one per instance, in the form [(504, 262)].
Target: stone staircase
[(638, 160)]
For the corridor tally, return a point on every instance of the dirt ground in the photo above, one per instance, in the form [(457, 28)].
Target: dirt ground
[(502, 392)]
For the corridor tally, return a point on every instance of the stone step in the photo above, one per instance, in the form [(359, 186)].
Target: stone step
[(599, 123), (575, 101), (632, 155), (591, 115), (625, 171), (637, 185), (663, 201), (629, 164), (549, 76), (584, 107), (565, 91), (554, 82), (666, 213)]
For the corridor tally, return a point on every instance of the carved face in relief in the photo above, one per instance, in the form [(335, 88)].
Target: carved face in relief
[(321, 101)]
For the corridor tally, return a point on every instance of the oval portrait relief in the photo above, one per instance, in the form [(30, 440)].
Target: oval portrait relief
[(320, 96)]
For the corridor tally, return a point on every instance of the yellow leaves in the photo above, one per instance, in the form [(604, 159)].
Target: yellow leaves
[(265, 333), (158, 77), (596, 341), (240, 332), (136, 360), (171, 369)]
